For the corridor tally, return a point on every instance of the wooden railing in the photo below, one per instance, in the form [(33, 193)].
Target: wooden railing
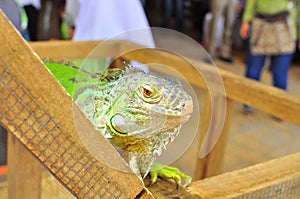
[(266, 98), (38, 114), (278, 178)]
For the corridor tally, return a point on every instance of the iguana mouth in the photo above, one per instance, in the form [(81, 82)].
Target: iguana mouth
[(187, 114), (186, 117)]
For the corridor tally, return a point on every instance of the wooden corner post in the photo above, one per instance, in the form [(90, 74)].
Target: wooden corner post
[(38, 112)]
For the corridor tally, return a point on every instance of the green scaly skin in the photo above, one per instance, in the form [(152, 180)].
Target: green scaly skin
[(138, 112)]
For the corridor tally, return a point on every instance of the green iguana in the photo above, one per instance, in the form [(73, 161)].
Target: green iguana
[(138, 112)]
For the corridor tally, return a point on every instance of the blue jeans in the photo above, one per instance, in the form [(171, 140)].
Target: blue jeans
[(179, 9), (279, 68)]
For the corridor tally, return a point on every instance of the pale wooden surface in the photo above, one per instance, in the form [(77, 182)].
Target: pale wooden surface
[(24, 182), (50, 188), (251, 179), (75, 50), (51, 100), (266, 98), (213, 162), (167, 189), (263, 97)]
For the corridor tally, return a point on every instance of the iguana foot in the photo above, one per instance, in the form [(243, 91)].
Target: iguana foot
[(169, 172)]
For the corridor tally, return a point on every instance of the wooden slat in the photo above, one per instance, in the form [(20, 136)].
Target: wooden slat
[(259, 178), (263, 97), (211, 164), (43, 120), (266, 98), (25, 172), (166, 189), (76, 50)]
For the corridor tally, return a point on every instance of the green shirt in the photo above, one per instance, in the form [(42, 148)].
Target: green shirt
[(264, 6), (271, 7)]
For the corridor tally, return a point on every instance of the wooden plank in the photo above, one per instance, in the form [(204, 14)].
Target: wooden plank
[(37, 110), (211, 147), (24, 172), (266, 98), (200, 166), (282, 173), (165, 189), (76, 50), (263, 97), (214, 160)]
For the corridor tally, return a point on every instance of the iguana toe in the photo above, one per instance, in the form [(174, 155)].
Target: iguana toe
[(169, 172)]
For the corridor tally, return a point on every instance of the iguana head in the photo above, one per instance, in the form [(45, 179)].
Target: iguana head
[(145, 104)]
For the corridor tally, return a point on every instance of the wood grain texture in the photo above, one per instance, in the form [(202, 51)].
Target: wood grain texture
[(266, 98), (25, 172), (279, 177), (76, 50), (212, 163), (263, 97), (269, 99), (37, 110), (167, 189)]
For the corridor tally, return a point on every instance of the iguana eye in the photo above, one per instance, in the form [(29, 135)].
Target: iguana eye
[(147, 91)]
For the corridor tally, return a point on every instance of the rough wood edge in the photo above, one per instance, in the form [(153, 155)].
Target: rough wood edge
[(212, 163), (27, 68), (76, 50), (263, 97), (24, 182), (238, 88), (267, 98), (248, 180)]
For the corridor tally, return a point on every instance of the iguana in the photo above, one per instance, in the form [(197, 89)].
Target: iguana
[(138, 112)]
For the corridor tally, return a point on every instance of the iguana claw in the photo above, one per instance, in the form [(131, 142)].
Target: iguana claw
[(169, 172)]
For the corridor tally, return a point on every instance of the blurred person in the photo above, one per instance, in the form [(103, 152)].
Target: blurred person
[(72, 9), (199, 9), (56, 19), (70, 15), (51, 19), (238, 42), (101, 19), (32, 9), (12, 11), (114, 19), (279, 62), (3, 146), (240, 8), (219, 8), (179, 13)]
